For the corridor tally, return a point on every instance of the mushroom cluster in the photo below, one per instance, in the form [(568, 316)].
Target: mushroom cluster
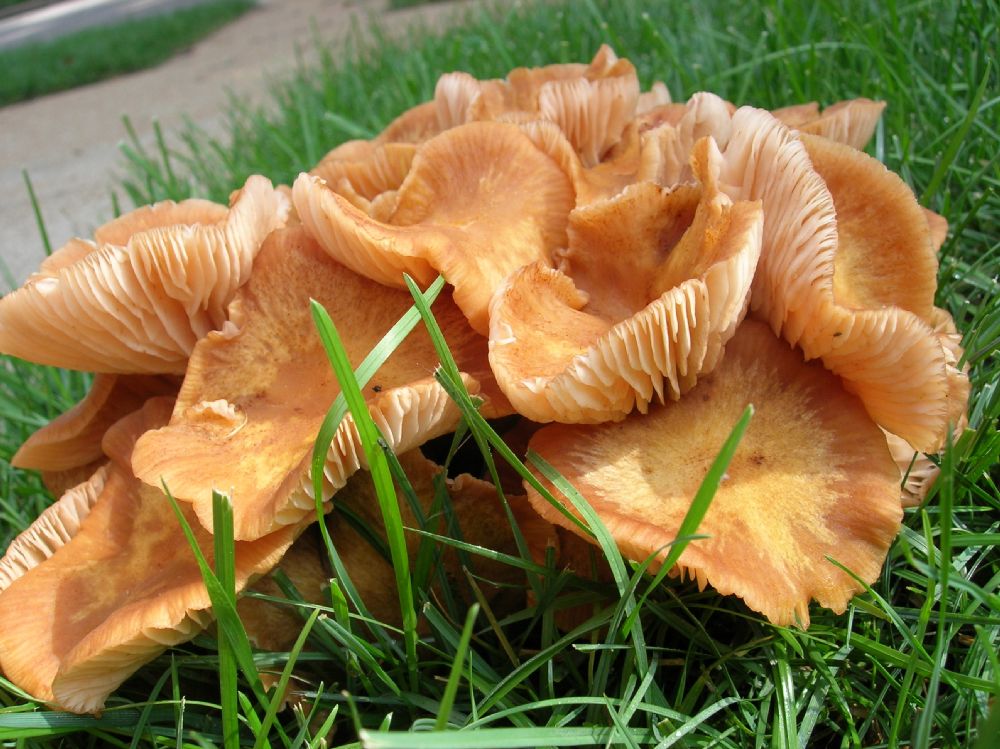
[(627, 274)]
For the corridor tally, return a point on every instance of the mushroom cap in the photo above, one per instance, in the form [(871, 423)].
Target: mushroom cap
[(257, 392), (884, 255), (611, 175), (415, 125), (797, 114), (121, 590), (653, 284), (459, 98), (811, 478), (657, 96), (73, 439), (666, 148), (800, 292), (52, 529), (60, 482), (592, 112), (368, 175), (918, 470), (765, 161), (140, 307), (190, 212), (938, 227), (850, 122), (479, 201)]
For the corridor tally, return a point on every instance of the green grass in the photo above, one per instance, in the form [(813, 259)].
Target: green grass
[(94, 54), (914, 662), (398, 4)]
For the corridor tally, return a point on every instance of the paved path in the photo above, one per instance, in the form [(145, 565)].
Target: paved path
[(52, 20), (68, 142)]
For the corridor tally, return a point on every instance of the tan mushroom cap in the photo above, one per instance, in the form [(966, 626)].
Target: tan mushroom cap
[(666, 148), (796, 286), (919, 473), (884, 255), (140, 307), (592, 112), (938, 227), (415, 125), (60, 482), (592, 105), (124, 588), (850, 122), (918, 470), (617, 170), (74, 438), (528, 83), (795, 115), (362, 178), (657, 96), (480, 201), (475, 508), (257, 392), (165, 213), (653, 284), (71, 252), (811, 478), (52, 529), (459, 98)]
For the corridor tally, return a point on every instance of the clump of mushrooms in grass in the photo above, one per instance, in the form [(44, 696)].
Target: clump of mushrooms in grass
[(627, 274)]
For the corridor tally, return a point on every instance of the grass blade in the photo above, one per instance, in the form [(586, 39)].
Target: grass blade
[(373, 445), (225, 571), (455, 675)]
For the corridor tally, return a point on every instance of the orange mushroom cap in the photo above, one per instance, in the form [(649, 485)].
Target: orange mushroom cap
[(811, 478), (276, 626), (479, 201), (592, 112), (257, 392), (363, 178), (849, 122), (52, 529), (655, 282), (868, 330), (666, 148), (73, 439), (140, 307), (938, 227), (121, 590), (415, 125), (797, 114)]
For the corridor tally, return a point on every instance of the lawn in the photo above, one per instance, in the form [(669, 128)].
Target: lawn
[(913, 662), (91, 55)]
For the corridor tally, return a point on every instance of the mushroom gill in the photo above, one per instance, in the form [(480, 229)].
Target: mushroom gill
[(652, 284), (141, 306), (814, 287)]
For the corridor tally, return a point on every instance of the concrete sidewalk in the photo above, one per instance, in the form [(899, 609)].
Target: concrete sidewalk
[(68, 142), (50, 20)]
